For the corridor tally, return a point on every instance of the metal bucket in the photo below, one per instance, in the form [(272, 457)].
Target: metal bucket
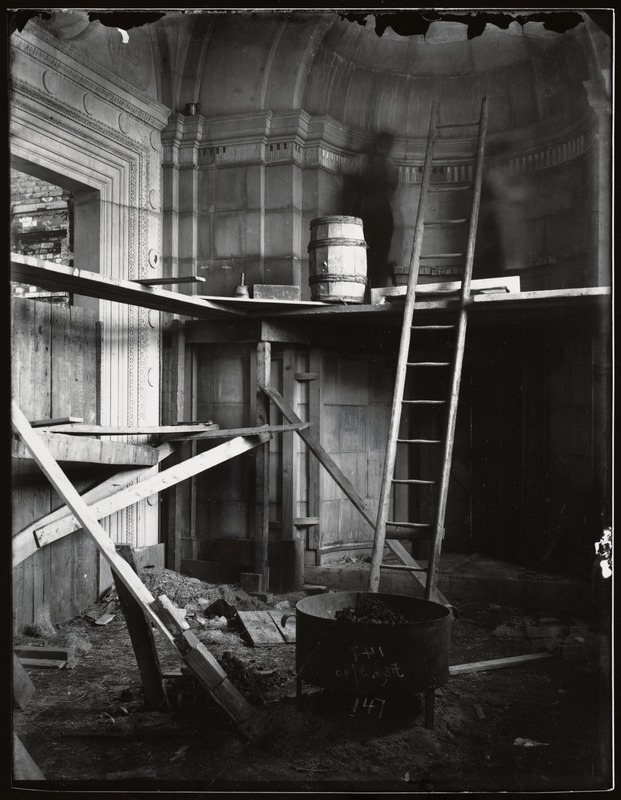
[(372, 659), (337, 260)]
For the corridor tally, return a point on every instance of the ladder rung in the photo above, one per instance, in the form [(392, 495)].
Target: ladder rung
[(414, 480), (402, 566), (459, 125), (429, 363), (444, 255), (400, 531), (452, 187), (440, 222), (432, 327), (419, 441), (395, 524), (425, 402)]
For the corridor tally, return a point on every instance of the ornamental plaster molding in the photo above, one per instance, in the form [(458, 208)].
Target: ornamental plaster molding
[(40, 99), (155, 119)]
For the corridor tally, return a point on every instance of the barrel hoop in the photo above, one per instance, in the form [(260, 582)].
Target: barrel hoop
[(315, 243), (330, 278), (336, 220)]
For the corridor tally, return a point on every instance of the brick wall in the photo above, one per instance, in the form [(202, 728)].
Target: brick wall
[(41, 221)]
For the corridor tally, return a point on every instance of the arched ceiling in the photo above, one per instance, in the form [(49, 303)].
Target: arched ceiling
[(241, 62)]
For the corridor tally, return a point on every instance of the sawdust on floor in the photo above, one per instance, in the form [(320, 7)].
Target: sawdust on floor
[(542, 726)]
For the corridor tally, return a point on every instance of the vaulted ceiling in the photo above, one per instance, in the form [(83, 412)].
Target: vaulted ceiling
[(533, 66)]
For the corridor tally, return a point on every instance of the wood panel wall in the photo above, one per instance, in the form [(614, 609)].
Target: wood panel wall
[(53, 374)]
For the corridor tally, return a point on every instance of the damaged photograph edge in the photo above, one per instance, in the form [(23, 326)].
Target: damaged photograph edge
[(310, 335)]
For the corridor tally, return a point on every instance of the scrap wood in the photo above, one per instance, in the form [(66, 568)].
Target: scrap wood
[(24, 543), (24, 766), (261, 628), (198, 658), (496, 663), (23, 687), (288, 629), (157, 483), (51, 663)]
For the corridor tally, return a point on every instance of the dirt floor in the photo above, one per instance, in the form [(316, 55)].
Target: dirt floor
[(538, 727)]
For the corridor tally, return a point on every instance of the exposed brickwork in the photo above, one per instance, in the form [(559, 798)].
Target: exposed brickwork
[(41, 221)]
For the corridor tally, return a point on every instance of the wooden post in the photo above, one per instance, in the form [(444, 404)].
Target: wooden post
[(315, 364), (262, 464), (141, 637), (288, 475)]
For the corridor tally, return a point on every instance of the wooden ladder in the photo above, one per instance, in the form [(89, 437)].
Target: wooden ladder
[(433, 531)]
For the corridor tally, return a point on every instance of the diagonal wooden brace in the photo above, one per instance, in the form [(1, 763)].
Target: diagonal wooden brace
[(332, 468), (231, 700)]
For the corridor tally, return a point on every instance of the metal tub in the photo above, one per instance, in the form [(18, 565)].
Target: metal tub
[(372, 659)]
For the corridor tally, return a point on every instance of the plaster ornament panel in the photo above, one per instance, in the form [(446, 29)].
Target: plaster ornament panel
[(50, 81), (106, 85), (152, 258), (89, 103), (154, 198), (155, 139), (153, 318), (123, 122)]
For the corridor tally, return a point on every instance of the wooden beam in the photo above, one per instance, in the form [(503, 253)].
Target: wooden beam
[(64, 447), (226, 433), (76, 429), (198, 658), (168, 281), (153, 485), (262, 467), (141, 636), (320, 453), (328, 463), (497, 663), (27, 269), (80, 510), (49, 423), (24, 543)]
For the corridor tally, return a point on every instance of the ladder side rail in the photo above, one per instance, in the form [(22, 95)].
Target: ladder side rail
[(460, 341), (404, 347)]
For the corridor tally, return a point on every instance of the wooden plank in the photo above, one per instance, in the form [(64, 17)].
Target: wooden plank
[(45, 663), (64, 447), (200, 663), (287, 630), (497, 663), (262, 466), (47, 274), (167, 281), (66, 654), (226, 433), (153, 485), (261, 628), (50, 423), (76, 429), (141, 636), (508, 283), (24, 543), (24, 766), (23, 687)]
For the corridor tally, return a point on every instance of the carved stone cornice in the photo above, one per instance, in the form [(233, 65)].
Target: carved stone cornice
[(150, 112)]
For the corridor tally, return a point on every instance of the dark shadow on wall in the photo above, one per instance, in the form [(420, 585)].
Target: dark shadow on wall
[(368, 194)]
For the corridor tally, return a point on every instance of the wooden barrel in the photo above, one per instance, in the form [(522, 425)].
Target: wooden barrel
[(337, 260)]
